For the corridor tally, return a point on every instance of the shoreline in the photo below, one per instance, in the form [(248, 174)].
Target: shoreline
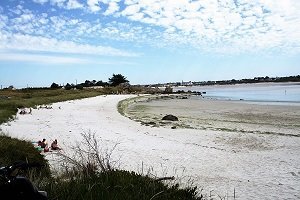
[(262, 93), (213, 114), (255, 166)]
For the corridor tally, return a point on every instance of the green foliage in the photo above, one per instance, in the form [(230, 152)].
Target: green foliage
[(115, 185), (117, 79), (54, 86), (13, 150), (11, 100), (68, 86), (79, 87)]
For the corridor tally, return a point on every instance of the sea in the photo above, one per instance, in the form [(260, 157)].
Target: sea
[(258, 93)]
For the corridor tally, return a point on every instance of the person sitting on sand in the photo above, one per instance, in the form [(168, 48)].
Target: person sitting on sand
[(22, 112), (54, 145), (43, 144)]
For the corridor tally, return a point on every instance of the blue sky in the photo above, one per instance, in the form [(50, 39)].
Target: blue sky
[(148, 41)]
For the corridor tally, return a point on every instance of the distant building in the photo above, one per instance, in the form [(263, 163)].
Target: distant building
[(190, 83)]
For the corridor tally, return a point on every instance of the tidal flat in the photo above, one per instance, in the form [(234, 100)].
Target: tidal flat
[(212, 114)]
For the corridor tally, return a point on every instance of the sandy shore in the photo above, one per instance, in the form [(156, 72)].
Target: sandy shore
[(256, 166), (211, 114)]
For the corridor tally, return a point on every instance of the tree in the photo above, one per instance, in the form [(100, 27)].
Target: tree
[(117, 79), (54, 86), (101, 83), (68, 86)]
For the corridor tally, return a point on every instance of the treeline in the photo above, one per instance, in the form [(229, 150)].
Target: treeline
[(115, 80), (260, 80), (85, 84), (234, 81)]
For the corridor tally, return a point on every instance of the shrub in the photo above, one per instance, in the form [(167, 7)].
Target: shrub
[(116, 185), (13, 150), (90, 175)]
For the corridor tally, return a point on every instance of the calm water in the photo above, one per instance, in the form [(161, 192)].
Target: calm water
[(263, 93)]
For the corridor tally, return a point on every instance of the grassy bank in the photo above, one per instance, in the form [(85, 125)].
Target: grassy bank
[(85, 182), (11, 100), (115, 185)]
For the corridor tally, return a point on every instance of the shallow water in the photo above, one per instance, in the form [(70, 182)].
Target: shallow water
[(272, 93)]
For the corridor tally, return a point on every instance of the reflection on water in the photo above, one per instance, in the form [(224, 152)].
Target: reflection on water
[(272, 92)]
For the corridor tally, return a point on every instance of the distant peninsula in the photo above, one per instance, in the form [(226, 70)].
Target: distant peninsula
[(230, 82)]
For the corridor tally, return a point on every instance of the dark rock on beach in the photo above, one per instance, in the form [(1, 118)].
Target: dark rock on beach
[(170, 118)]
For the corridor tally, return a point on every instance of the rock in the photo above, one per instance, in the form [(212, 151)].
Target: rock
[(170, 118), (149, 123)]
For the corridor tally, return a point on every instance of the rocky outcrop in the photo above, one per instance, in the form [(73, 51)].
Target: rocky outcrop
[(170, 118)]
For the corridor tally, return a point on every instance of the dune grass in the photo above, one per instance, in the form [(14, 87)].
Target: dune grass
[(84, 181), (115, 185), (13, 150), (11, 100), (89, 174)]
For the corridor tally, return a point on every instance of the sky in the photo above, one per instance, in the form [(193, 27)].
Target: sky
[(147, 41)]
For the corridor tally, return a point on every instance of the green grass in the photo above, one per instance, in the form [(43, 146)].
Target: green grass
[(115, 185), (11, 100), (13, 150), (79, 185)]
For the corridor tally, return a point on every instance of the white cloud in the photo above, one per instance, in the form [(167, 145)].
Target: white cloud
[(112, 8), (40, 58), (53, 59), (216, 23), (94, 5), (74, 4), (3, 21), (59, 3), (19, 42), (206, 25), (67, 4), (131, 10), (40, 1)]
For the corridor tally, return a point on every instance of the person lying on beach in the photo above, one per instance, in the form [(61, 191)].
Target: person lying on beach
[(54, 145)]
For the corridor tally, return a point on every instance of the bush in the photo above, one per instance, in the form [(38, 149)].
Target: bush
[(115, 185), (13, 150), (54, 86), (90, 175)]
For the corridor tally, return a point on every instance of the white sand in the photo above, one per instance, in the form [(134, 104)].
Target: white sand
[(256, 166)]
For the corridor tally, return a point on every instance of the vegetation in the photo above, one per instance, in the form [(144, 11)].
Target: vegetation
[(114, 185), (91, 176), (11, 100), (13, 150), (117, 79), (234, 81), (94, 178)]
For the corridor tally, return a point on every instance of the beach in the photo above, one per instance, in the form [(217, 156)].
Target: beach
[(254, 158)]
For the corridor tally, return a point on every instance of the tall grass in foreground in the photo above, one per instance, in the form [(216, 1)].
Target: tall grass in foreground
[(114, 185), (90, 175), (13, 150)]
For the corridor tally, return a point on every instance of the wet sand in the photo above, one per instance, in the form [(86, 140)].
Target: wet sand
[(210, 114)]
